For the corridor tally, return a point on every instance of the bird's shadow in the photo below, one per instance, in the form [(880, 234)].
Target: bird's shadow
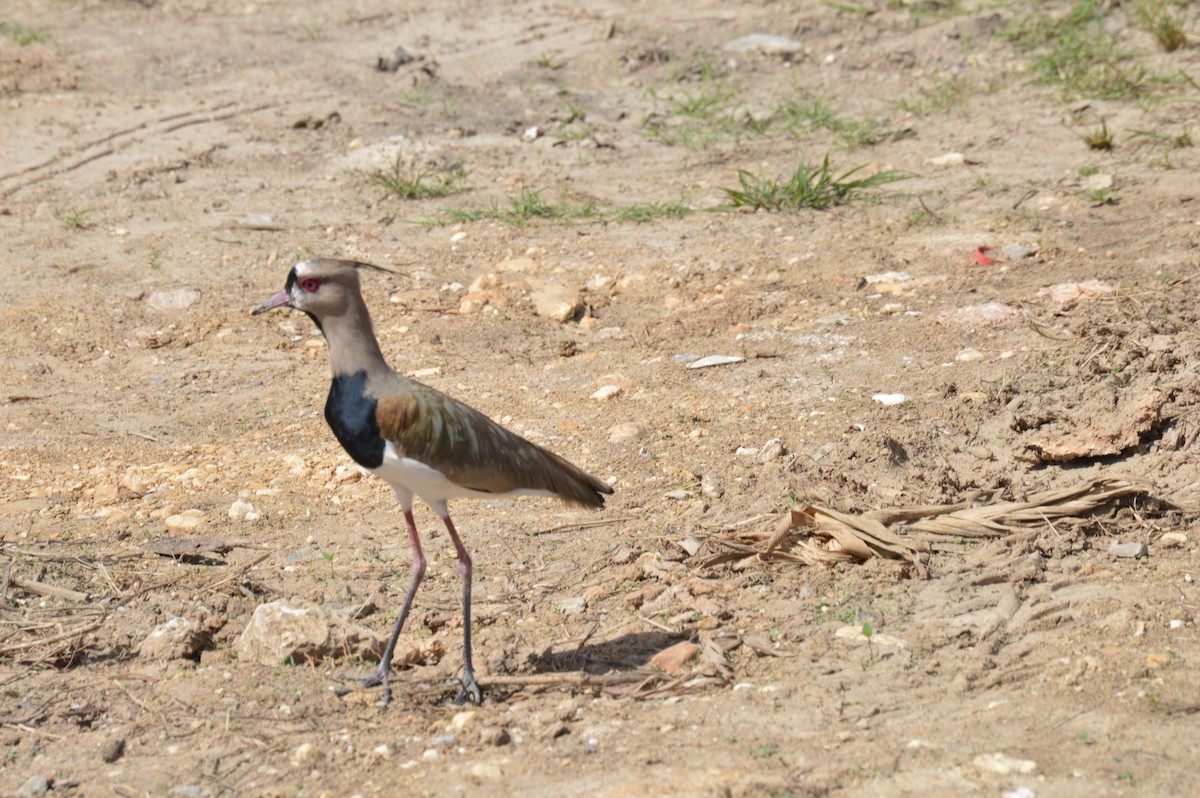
[(625, 653)]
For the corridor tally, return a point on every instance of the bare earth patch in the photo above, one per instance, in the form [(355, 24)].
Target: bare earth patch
[(579, 203)]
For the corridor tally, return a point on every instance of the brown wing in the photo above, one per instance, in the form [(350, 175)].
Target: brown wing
[(476, 452)]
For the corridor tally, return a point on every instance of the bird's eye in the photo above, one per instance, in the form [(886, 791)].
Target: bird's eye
[(309, 284)]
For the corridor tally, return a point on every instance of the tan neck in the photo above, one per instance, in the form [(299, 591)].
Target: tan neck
[(352, 343)]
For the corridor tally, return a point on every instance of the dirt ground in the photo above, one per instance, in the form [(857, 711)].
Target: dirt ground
[(154, 150)]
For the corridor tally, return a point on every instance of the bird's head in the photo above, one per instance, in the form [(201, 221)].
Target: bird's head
[(321, 288)]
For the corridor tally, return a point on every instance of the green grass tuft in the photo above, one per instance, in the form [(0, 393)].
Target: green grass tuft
[(19, 35), (409, 183), (807, 187)]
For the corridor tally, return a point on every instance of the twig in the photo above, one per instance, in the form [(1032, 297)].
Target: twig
[(657, 625), (31, 730), (42, 589), (574, 678), (108, 578), (56, 639), (1027, 195), (582, 525)]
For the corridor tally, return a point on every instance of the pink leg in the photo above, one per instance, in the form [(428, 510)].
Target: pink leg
[(380, 676), (469, 687)]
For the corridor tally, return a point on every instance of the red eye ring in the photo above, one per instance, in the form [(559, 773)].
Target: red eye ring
[(310, 284)]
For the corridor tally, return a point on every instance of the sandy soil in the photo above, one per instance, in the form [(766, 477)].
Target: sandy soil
[(146, 145)]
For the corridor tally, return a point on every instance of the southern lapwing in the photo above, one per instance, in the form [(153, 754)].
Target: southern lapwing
[(419, 440)]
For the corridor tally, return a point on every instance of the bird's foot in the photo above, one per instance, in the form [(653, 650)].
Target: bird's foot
[(469, 688), (377, 678)]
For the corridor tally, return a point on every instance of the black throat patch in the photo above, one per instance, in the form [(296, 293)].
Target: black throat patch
[(350, 413)]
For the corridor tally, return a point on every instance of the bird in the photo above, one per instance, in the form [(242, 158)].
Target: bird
[(422, 442)]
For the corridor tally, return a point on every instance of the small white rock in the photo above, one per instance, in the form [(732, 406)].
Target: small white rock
[(1004, 764), (462, 719), (305, 754), (486, 771), (1175, 623), (890, 399), (968, 355), (1171, 540), (606, 392), (949, 159), (573, 606), (714, 360), (182, 522), (771, 450), (623, 433), (240, 509)]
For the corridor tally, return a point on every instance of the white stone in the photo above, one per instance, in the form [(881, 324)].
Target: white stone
[(176, 299), (1004, 764), (606, 392), (714, 360), (890, 399)]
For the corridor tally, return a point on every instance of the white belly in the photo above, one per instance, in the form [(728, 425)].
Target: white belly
[(410, 478)]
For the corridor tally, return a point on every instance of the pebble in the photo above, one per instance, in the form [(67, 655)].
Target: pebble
[(714, 360), (35, 785), (1119, 549), (1004, 764), (1171, 540), (175, 299), (556, 302), (968, 355), (430, 755), (445, 740), (487, 771), (187, 520), (462, 719), (382, 750), (765, 43), (606, 392), (771, 450), (948, 159), (304, 755), (242, 509), (746, 451), (495, 736), (573, 606), (113, 751), (624, 433), (890, 399), (710, 485), (295, 628), (1175, 623), (1019, 251), (177, 638), (892, 308), (186, 789), (673, 658)]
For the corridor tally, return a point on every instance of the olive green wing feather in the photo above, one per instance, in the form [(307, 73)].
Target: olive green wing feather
[(476, 452)]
